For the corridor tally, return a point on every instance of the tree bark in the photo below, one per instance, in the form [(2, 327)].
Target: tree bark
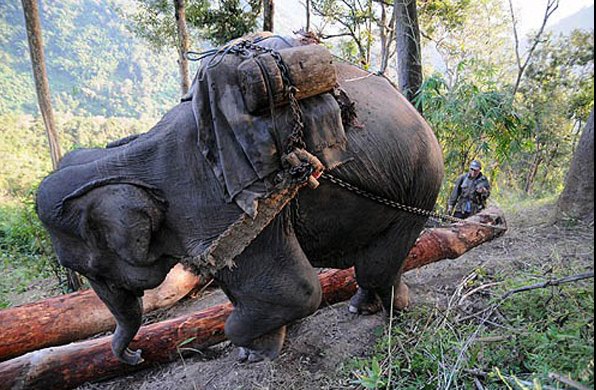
[(268, 15), (308, 15), (42, 88), (409, 55), (533, 172), (74, 364), (183, 44), (387, 35), (79, 315), (577, 199)]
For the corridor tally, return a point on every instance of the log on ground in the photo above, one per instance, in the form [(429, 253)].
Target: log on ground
[(72, 365), (71, 317)]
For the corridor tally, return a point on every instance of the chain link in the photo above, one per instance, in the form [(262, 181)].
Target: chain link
[(393, 204)]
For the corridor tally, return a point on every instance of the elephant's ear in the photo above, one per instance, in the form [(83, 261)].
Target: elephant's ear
[(121, 218)]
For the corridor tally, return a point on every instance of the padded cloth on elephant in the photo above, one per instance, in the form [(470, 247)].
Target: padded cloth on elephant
[(244, 150)]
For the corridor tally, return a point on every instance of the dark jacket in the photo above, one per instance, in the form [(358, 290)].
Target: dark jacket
[(465, 197)]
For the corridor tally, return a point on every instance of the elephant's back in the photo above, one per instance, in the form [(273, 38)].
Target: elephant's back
[(395, 151)]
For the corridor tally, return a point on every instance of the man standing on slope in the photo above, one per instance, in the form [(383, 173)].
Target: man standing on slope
[(470, 194)]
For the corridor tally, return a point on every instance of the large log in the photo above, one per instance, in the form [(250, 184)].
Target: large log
[(311, 69), (74, 364), (72, 317)]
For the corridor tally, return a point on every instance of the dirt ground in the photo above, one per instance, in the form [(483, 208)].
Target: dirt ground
[(319, 348)]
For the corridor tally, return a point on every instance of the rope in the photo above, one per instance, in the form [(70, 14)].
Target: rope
[(399, 206)]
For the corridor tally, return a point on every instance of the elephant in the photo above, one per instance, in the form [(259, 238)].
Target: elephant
[(124, 215)]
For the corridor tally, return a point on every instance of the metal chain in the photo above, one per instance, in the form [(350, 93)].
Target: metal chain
[(393, 204)]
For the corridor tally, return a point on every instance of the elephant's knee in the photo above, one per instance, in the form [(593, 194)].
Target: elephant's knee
[(312, 294)]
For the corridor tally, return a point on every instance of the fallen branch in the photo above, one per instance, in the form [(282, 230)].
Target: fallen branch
[(567, 381), (71, 365), (488, 312), (72, 317), (549, 283)]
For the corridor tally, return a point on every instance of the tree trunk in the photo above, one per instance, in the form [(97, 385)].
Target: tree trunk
[(387, 35), (42, 88), (268, 15), (408, 48), (308, 15), (533, 172), (183, 44), (72, 317), (74, 364), (577, 199)]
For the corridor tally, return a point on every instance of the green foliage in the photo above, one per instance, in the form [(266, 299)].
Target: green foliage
[(154, 21), (94, 65), (544, 331), (230, 19), (216, 21), (25, 249), (557, 96), (448, 14), (353, 19), (556, 335), (24, 148), (472, 121)]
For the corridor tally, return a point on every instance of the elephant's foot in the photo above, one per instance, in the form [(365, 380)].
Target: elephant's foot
[(266, 347), (130, 357), (401, 299), (365, 302)]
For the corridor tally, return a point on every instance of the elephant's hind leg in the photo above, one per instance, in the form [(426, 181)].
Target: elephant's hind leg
[(379, 269), (272, 285)]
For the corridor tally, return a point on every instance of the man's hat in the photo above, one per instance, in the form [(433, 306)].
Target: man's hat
[(476, 165)]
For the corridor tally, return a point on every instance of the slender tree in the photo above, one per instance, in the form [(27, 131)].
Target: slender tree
[(268, 15), (386, 34), (42, 87), (523, 63), (183, 44), (308, 15), (409, 58), (577, 199)]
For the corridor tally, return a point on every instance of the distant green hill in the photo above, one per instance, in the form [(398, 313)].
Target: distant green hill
[(95, 66)]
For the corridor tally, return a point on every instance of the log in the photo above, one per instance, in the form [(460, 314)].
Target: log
[(311, 68), (452, 242), (71, 365), (72, 317)]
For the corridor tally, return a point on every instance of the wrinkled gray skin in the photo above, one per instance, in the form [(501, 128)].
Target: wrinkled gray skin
[(124, 216)]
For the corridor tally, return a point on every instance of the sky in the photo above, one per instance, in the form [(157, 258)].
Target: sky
[(531, 12)]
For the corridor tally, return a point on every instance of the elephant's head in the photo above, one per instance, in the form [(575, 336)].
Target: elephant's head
[(111, 231)]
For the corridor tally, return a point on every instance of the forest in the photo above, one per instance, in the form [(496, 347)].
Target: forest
[(517, 99)]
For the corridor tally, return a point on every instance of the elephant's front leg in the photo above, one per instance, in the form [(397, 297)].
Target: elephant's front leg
[(272, 285), (127, 308)]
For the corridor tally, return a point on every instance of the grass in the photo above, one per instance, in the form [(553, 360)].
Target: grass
[(473, 339), (25, 250), (529, 336)]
